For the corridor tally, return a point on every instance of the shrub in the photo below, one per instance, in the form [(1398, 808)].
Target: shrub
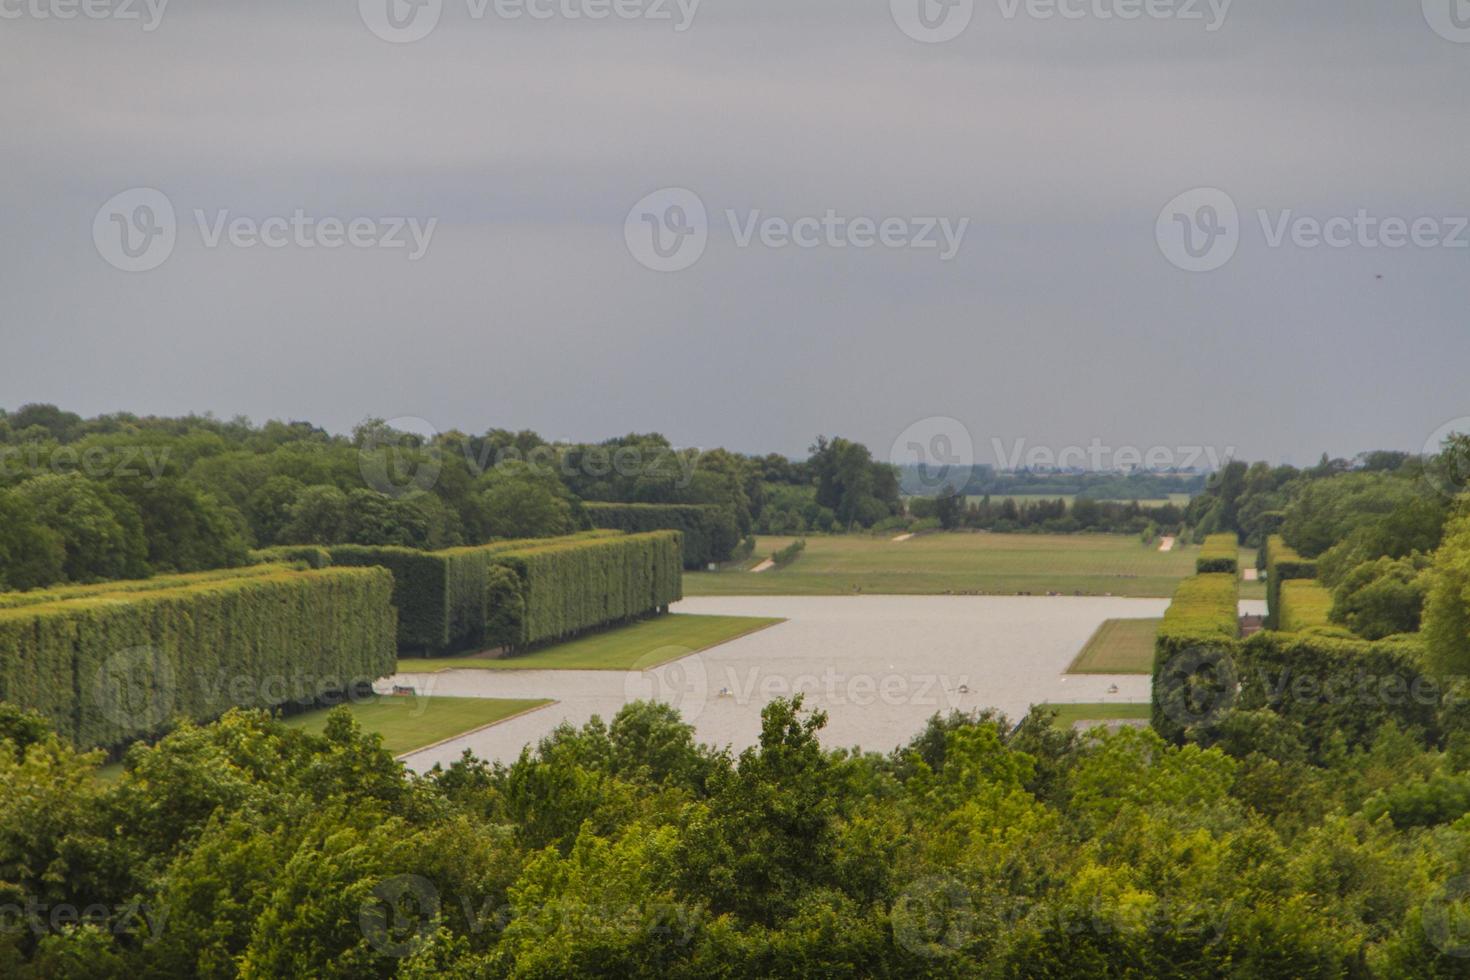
[(110, 668), (1193, 654), (790, 553), (1447, 609), (711, 534), (1221, 553), (578, 584), (313, 556), (1331, 685), (1283, 564), (1384, 597), (61, 593), (1303, 604)]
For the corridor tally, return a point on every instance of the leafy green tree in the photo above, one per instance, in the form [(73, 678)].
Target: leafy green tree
[(1383, 598), (31, 555), (519, 501), (1447, 608), (102, 533)]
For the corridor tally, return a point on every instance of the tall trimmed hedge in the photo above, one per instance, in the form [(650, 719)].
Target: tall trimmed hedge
[(1194, 653), (314, 556), (573, 586), (1221, 553), (711, 533), (61, 593), (1283, 564), (1331, 685), (464, 598), (108, 669), (1303, 604)]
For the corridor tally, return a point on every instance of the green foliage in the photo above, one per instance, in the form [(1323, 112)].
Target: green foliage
[(1221, 553), (790, 553), (313, 556), (711, 534), (1283, 564), (61, 593), (1303, 604), (579, 584), (519, 501), (1193, 675), (1339, 688), (1447, 609), (31, 554), (101, 533), (112, 667), (1369, 514), (1383, 598)]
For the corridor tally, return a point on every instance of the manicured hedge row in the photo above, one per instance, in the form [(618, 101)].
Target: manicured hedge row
[(1283, 564), (1221, 553), (314, 556), (1303, 603), (60, 593), (573, 586), (1193, 653), (790, 553), (711, 533), (108, 669), (1333, 686), (458, 599)]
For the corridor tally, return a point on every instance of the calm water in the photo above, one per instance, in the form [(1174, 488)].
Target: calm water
[(880, 666)]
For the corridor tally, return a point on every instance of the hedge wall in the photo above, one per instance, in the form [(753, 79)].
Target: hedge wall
[(60, 593), (1221, 553), (573, 586), (108, 669), (314, 556), (455, 600), (1283, 564), (1302, 604), (1332, 685), (1194, 652), (710, 531)]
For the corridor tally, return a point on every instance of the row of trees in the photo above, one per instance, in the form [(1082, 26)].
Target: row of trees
[(626, 849), (123, 496)]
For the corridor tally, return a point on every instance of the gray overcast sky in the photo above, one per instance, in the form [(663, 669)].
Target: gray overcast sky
[(1059, 321)]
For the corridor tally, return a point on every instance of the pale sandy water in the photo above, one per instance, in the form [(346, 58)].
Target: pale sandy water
[(880, 666)]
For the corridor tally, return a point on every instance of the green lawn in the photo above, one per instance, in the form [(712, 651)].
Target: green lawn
[(409, 723), (1120, 646), (1177, 499), (933, 564), (1070, 714), (640, 646)]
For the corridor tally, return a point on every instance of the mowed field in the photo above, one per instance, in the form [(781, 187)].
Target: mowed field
[(1177, 499), (409, 723), (1120, 646), (936, 564)]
